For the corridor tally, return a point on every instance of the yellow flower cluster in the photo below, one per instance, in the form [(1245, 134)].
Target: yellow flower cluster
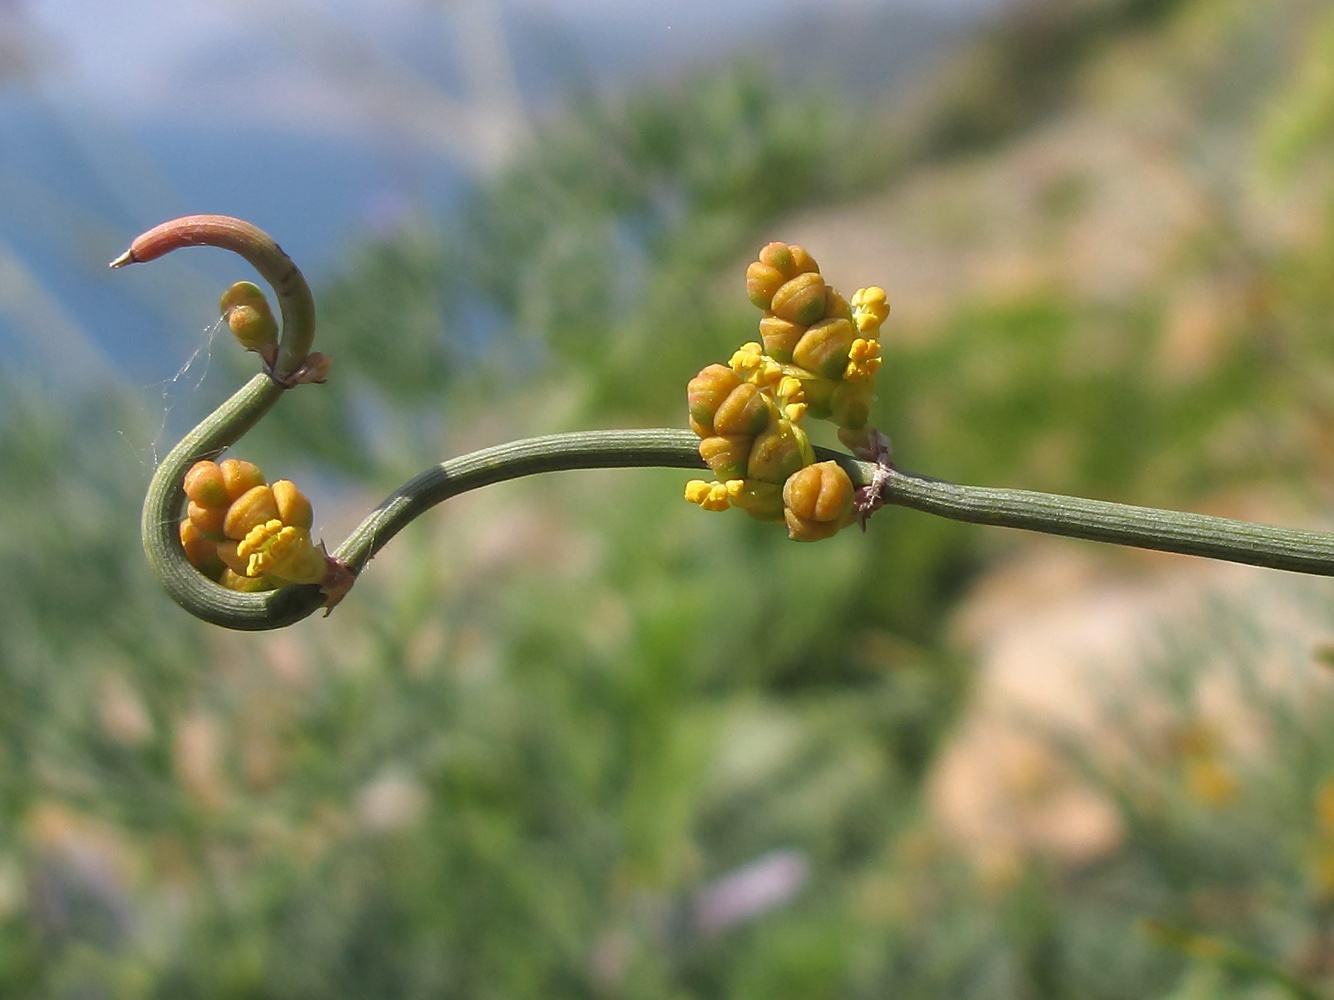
[(818, 356), (245, 534)]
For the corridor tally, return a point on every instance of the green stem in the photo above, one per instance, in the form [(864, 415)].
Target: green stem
[(1145, 527)]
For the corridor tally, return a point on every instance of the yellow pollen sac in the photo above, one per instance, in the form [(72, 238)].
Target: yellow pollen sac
[(749, 356), (794, 411), (863, 360), (282, 551), (790, 390), (710, 496), (869, 310)]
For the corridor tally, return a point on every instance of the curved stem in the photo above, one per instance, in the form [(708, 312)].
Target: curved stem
[(1145, 527)]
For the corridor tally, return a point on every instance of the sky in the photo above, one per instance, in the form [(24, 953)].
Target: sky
[(316, 119)]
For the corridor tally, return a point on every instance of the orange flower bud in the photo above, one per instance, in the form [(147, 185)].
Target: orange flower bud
[(817, 501), (835, 305), (780, 336), (200, 551), (824, 347), (820, 492), (746, 410), (706, 392), (777, 453), (726, 455), (208, 521), (248, 316), (239, 477), (204, 485), (800, 300), (293, 507), (255, 506), (762, 280)]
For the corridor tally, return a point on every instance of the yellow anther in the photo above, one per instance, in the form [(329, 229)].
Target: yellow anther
[(282, 551), (869, 310), (734, 488), (749, 357), (794, 411), (789, 390), (710, 496), (863, 359)]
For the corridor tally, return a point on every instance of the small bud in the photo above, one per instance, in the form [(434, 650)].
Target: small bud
[(726, 455), (823, 349), (762, 501), (204, 485), (254, 507), (200, 551), (706, 392), (746, 410), (315, 369), (762, 280), (248, 316), (252, 329), (710, 496), (293, 507), (208, 521), (800, 300), (777, 453), (779, 257), (238, 477), (817, 501), (835, 305), (780, 336)]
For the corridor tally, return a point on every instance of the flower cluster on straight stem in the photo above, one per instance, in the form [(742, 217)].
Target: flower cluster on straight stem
[(817, 356)]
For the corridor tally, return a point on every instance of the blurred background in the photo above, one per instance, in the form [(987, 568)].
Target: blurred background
[(573, 737)]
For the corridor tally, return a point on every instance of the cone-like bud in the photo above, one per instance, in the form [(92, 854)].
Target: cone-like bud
[(835, 305), (239, 477), (293, 507), (823, 349), (817, 501), (254, 507), (726, 455), (746, 410), (706, 392), (200, 551), (762, 501), (762, 280), (780, 336), (710, 496), (249, 317), (800, 300), (777, 453), (204, 485), (207, 521)]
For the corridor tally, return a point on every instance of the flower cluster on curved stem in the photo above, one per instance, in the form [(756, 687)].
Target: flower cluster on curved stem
[(289, 361)]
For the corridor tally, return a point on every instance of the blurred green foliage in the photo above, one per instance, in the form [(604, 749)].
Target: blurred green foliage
[(550, 715)]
